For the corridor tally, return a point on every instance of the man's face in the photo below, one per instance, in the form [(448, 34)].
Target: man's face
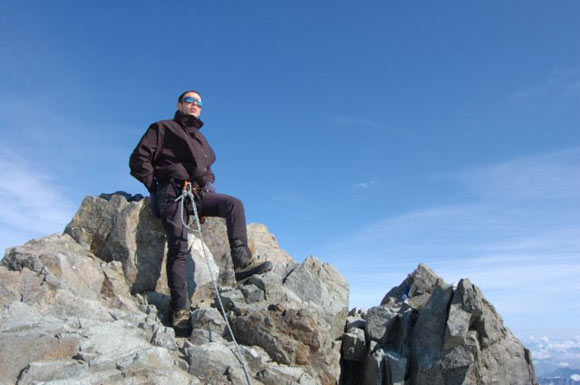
[(188, 106)]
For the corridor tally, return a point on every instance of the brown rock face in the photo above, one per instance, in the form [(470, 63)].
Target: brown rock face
[(116, 229), (299, 319)]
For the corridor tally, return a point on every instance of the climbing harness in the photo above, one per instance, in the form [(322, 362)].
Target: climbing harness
[(186, 193)]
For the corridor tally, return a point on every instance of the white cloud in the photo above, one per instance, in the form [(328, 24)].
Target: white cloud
[(549, 354), (556, 86), (547, 176), (365, 185), (31, 203)]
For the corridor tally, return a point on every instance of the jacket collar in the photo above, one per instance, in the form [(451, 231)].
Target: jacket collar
[(187, 121)]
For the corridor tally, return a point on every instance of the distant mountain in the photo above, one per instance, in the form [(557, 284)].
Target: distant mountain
[(562, 376)]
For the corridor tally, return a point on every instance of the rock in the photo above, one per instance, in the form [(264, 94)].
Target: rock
[(23, 285), (26, 335), (419, 285), (120, 228), (210, 320), (59, 257), (161, 302), (215, 236), (395, 368), (164, 337), (263, 245), (203, 270), (374, 372), (203, 336), (427, 333), (300, 318), (426, 342), (51, 349), (354, 345), (252, 293), (357, 322), (320, 283), (215, 363), (45, 371), (91, 306), (380, 322), (116, 229)]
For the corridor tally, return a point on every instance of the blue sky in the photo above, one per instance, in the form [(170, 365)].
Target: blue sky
[(375, 135)]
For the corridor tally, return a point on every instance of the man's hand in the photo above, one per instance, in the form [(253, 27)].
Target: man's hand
[(154, 205), (202, 220), (209, 187)]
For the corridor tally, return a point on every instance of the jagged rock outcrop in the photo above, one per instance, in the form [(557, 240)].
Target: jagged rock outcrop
[(77, 308), (90, 306), (426, 332)]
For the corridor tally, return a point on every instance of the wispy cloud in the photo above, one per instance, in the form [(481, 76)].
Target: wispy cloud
[(31, 201), (518, 239), (553, 175), (365, 185), (557, 85)]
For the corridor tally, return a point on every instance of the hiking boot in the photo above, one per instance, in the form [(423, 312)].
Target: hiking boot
[(252, 267), (244, 265), (241, 254), (181, 319)]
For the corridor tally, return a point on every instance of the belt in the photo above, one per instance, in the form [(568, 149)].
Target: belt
[(177, 182)]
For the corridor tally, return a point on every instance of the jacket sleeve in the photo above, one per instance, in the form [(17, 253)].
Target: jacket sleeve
[(142, 158)]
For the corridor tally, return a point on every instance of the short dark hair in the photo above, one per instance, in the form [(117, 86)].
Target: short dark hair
[(180, 99)]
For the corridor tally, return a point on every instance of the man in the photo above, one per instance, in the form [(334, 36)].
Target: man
[(171, 153)]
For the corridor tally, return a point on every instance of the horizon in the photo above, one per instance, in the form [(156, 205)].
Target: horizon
[(373, 136)]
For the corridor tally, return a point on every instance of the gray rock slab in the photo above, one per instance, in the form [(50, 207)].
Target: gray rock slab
[(379, 322), (320, 283), (252, 293), (59, 257), (354, 345), (27, 336), (215, 362), (47, 371), (374, 371), (208, 319), (426, 342), (395, 368), (357, 322)]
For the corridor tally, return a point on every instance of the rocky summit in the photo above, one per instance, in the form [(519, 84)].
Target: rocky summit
[(91, 306)]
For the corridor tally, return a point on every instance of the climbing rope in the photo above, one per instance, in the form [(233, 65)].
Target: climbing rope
[(187, 194)]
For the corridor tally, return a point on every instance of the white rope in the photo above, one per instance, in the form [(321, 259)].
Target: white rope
[(186, 193)]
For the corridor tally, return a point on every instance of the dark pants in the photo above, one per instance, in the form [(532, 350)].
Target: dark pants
[(211, 205)]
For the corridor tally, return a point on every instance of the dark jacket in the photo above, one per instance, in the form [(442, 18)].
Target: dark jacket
[(173, 149)]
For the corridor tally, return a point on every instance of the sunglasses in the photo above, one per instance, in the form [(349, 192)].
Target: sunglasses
[(190, 100)]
